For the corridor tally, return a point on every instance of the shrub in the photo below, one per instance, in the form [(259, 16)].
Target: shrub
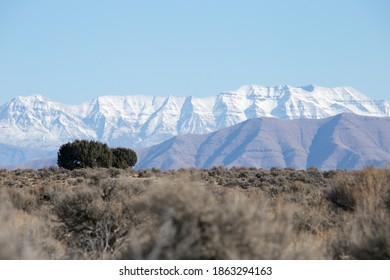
[(123, 158), (342, 197), (188, 221), (25, 236), (366, 237), (366, 233), (93, 221), (83, 153)]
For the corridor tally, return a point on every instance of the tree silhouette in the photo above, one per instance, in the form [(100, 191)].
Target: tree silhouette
[(83, 153), (123, 158)]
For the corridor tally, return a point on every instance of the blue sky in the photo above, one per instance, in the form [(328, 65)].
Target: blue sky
[(72, 51)]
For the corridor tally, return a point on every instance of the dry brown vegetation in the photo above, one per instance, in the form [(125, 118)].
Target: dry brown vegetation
[(236, 213)]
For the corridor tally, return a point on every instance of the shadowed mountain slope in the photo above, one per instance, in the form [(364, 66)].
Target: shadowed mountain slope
[(344, 141)]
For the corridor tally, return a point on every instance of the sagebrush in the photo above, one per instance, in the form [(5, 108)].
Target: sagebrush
[(237, 213)]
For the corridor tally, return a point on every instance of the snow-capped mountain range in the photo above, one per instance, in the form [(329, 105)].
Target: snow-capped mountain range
[(39, 124)]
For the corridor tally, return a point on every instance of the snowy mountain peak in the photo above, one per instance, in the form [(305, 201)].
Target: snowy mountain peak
[(29, 100)]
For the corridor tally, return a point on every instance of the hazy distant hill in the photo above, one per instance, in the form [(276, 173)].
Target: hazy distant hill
[(345, 141), (24, 157)]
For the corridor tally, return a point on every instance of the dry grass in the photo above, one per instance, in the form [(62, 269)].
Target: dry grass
[(220, 213)]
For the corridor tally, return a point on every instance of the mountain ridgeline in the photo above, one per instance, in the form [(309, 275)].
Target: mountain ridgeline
[(33, 128)]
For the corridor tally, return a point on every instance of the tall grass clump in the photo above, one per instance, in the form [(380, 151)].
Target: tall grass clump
[(366, 231)]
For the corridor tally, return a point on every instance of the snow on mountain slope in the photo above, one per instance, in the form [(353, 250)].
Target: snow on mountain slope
[(344, 141), (36, 122), (142, 121)]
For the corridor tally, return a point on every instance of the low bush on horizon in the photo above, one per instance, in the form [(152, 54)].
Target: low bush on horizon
[(236, 213), (81, 154)]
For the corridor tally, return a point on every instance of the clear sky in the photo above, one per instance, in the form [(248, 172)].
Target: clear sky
[(72, 51)]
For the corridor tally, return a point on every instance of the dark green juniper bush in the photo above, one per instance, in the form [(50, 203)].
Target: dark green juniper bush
[(92, 154)]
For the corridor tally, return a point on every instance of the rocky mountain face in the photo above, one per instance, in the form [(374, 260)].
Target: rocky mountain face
[(41, 125)]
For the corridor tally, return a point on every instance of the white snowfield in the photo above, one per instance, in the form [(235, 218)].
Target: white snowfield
[(36, 125)]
